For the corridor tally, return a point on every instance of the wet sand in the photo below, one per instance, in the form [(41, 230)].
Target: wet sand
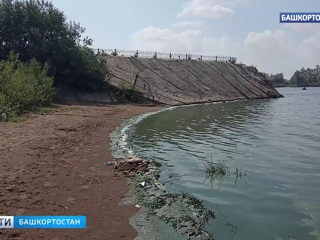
[(55, 165)]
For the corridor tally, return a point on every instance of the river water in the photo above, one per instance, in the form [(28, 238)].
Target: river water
[(274, 143)]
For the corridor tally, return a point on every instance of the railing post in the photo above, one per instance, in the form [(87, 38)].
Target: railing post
[(135, 80), (216, 58), (136, 55)]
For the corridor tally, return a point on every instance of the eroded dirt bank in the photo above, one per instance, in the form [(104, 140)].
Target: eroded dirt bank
[(55, 165), (178, 82)]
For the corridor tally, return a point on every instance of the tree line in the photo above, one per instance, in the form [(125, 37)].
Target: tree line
[(301, 78), (37, 40)]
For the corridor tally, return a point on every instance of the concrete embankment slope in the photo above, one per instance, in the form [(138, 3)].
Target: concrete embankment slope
[(178, 82)]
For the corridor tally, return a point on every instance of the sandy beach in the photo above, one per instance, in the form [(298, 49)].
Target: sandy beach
[(55, 164)]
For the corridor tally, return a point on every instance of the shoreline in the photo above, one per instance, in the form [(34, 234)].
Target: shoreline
[(56, 165), (162, 214), (171, 215)]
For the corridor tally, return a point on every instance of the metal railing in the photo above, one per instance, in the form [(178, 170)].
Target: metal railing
[(163, 56)]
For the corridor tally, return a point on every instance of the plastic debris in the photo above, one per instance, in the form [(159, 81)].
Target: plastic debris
[(143, 184)]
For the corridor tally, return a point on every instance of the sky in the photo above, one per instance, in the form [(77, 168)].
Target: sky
[(247, 29)]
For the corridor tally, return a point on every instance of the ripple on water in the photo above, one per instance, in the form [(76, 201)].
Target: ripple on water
[(276, 142)]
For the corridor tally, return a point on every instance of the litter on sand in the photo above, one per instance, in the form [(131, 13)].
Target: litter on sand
[(143, 184)]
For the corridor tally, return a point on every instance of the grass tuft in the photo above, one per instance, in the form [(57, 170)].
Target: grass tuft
[(17, 119), (46, 110), (215, 170)]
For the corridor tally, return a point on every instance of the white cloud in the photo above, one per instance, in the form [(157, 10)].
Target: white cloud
[(271, 51), (186, 24), (303, 27), (282, 51), (207, 9), (267, 37), (152, 38)]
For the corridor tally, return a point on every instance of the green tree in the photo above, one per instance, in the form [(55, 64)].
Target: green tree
[(36, 29), (23, 86), (306, 77), (278, 80), (297, 79)]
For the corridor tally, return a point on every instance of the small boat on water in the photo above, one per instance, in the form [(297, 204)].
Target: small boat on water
[(304, 88)]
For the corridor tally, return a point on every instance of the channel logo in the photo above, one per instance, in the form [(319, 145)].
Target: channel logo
[(43, 222), (6, 222), (296, 17)]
